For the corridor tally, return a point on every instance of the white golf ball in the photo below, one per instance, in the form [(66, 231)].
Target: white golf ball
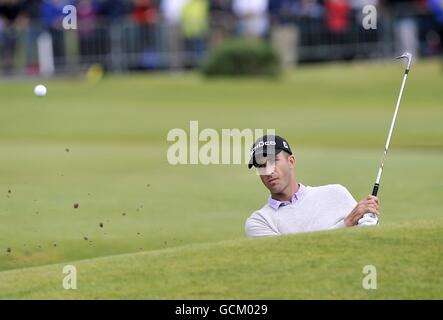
[(40, 90)]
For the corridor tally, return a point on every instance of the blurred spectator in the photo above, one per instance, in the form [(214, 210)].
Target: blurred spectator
[(195, 25), (310, 9), (310, 14), (145, 15), (338, 22), (284, 31), (112, 15), (144, 12), (32, 13), (89, 40), (337, 15), (114, 10), (11, 21), (252, 17), (436, 8), (221, 22), (171, 11), (52, 18), (283, 11), (406, 30)]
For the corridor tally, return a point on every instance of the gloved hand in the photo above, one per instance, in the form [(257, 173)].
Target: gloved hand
[(368, 205)]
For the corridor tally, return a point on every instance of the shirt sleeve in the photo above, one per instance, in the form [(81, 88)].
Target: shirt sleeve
[(338, 225), (348, 200), (347, 204), (257, 226)]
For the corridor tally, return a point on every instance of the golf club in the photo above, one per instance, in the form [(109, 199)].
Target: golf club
[(407, 56)]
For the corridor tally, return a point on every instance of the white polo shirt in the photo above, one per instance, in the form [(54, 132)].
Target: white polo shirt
[(314, 209)]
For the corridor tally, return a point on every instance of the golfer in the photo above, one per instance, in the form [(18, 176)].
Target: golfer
[(293, 207)]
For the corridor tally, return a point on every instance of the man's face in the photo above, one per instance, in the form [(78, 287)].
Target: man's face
[(276, 173)]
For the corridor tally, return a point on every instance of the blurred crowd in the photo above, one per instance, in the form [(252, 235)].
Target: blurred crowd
[(192, 21)]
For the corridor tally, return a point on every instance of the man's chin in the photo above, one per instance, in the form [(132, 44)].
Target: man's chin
[(274, 190)]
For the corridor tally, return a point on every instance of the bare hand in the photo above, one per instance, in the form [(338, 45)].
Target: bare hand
[(368, 205)]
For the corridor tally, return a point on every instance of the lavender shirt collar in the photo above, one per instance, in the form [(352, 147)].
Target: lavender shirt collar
[(275, 204)]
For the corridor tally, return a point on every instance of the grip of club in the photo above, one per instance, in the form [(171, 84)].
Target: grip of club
[(375, 189)]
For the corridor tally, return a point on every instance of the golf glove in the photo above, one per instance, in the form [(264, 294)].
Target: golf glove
[(369, 219)]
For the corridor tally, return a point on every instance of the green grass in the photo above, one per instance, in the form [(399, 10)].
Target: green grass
[(326, 265), (336, 118)]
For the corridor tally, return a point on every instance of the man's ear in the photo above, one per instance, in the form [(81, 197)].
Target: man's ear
[(292, 161)]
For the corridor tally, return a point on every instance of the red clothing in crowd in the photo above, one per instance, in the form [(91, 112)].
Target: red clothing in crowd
[(144, 12), (337, 15)]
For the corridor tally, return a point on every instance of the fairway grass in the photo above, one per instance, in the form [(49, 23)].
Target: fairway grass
[(103, 146), (322, 265), (179, 207)]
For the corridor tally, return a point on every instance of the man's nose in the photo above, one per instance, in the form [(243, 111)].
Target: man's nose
[(269, 168)]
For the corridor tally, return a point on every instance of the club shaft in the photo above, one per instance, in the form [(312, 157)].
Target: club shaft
[(388, 140)]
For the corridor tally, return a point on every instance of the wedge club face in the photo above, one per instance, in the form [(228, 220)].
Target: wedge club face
[(407, 56)]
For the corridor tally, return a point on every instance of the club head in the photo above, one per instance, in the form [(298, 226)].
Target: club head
[(407, 56)]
